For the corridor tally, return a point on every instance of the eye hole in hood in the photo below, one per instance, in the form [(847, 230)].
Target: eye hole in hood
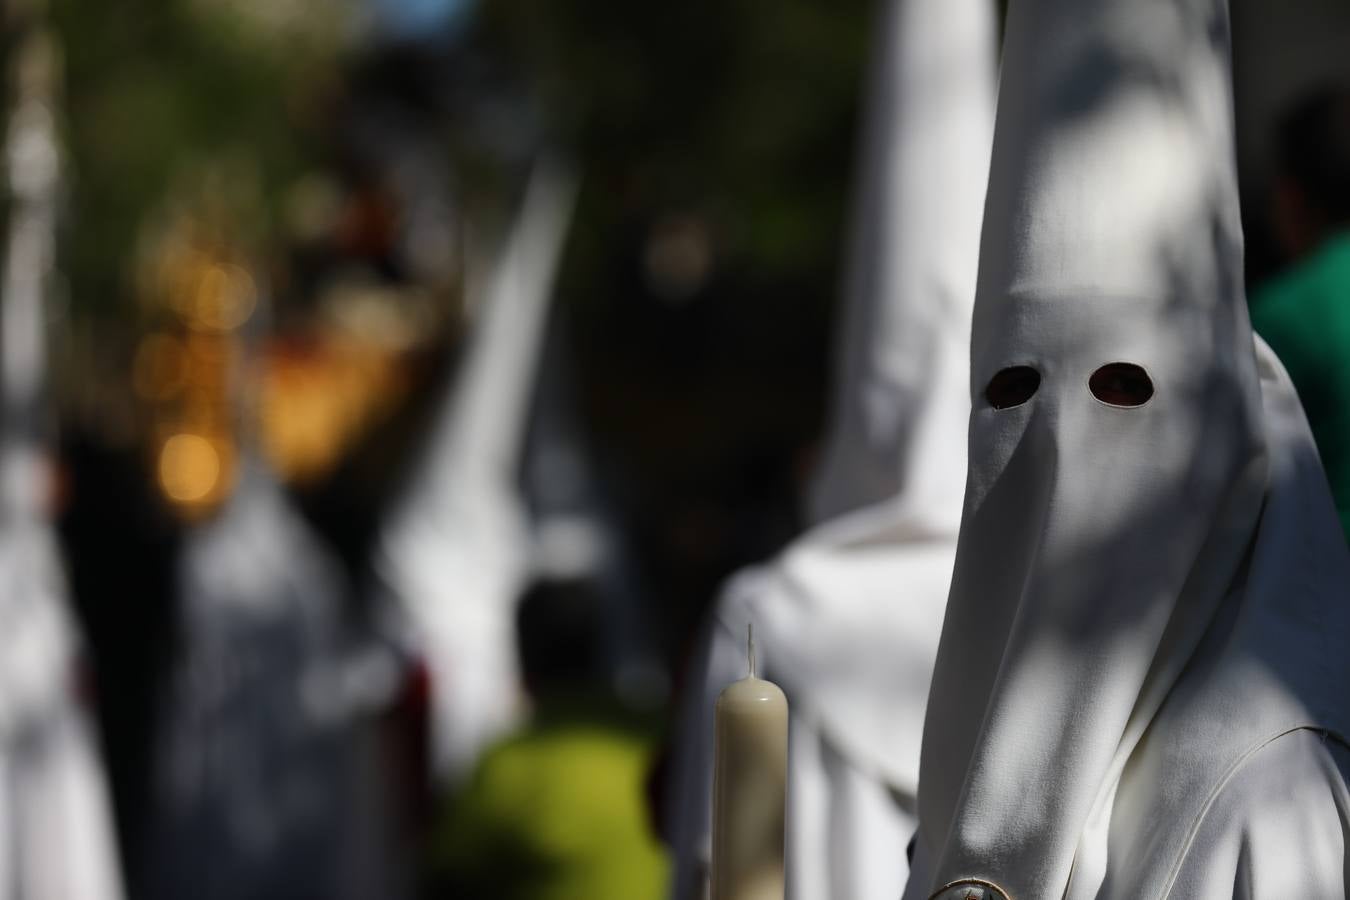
[(1121, 384), (1012, 386)]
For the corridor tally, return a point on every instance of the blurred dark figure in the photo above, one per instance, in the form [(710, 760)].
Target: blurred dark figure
[(121, 544), (266, 781), (1304, 313), (556, 812)]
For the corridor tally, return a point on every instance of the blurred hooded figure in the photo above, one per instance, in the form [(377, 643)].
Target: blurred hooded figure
[(848, 617), (555, 810), (1140, 691), (266, 784), (454, 557), (267, 776), (56, 838)]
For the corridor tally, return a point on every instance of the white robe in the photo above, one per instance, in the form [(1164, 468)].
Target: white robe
[(1287, 803), (1140, 688), (847, 827), (848, 616)]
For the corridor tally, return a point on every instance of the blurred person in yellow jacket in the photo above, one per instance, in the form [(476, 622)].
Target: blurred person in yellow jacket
[(556, 811)]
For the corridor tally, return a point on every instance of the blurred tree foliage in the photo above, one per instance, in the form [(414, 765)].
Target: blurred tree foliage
[(735, 121), (157, 91), (714, 137), (746, 109)]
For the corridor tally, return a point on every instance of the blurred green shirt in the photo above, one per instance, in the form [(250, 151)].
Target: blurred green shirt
[(1304, 314), (555, 813)]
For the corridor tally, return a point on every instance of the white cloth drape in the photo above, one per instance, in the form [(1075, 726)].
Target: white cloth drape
[(1139, 691), (849, 615)]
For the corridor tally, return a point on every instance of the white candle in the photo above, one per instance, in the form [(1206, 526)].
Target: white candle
[(749, 789)]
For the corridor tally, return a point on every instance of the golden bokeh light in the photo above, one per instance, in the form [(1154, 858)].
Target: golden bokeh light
[(189, 468), (226, 296), (317, 399)]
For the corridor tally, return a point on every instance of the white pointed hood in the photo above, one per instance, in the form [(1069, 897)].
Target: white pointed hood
[(56, 831), (900, 389), (455, 555), (1112, 514), (38, 637), (850, 613)]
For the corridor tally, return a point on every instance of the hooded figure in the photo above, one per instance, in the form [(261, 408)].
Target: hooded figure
[(251, 746), (848, 617), (56, 836), (267, 781), (267, 776), (1141, 687), (454, 557)]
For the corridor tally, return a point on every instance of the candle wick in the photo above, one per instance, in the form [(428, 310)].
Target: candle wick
[(750, 646)]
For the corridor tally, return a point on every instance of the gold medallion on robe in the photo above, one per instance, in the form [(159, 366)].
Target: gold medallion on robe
[(970, 889)]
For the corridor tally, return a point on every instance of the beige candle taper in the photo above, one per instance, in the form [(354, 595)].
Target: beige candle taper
[(749, 788)]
